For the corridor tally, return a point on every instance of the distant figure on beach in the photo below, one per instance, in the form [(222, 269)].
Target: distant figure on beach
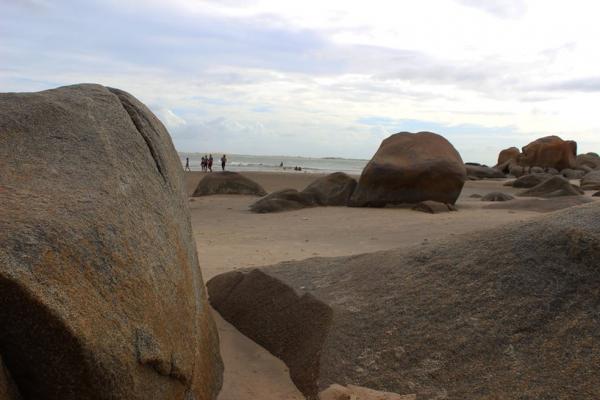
[(203, 163), (187, 164), (210, 162), (223, 162), (281, 165)]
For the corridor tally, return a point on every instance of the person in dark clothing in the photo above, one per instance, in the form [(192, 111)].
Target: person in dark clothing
[(187, 164), (210, 162), (223, 162)]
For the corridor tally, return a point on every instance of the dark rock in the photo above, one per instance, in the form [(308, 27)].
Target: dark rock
[(409, 168), (540, 205), (475, 196), (450, 320), (553, 187), (529, 181), (481, 172), (228, 182), (549, 152), (433, 207), (591, 181), (474, 164), (597, 194), (497, 196), (8, 389), (283, 200), (96, 246), (332, 190), (551, 171), (569, 173)]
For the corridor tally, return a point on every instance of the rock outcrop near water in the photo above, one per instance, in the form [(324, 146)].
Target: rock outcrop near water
[(228, 182), (476, 172), (549, 152), (101, 294), (409, 168), (509, 313)]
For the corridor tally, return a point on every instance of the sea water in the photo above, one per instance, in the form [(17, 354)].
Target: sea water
[(241, 162)]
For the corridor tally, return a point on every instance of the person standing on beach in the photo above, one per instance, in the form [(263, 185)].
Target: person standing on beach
[(203, 163), (210, 162), (223, 162), (187, 164)]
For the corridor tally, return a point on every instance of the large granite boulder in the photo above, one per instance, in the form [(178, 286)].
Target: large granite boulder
[(101, 294), (549, 152), (587, 161), (554, 187), (509, 313), (332, 190), (476, 172), (591, 181), (507, 158), (410, 168), (227, 182)]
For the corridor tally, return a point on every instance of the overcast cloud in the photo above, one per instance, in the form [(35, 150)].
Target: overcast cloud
[(323, 78)]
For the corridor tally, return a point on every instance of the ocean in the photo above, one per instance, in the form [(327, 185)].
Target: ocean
[(242, 162)]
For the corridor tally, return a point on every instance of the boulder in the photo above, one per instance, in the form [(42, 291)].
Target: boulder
[(410, 168), (569, 173), (228, 182), (433, 207), (589, 161), (553, 187), (476, 196), (591, 181), (483, 172), (332, 190), (506, 158), (531, 180), (507, 313), (497, 196), (101, 294), (597, 194), (549, 152), (283, 200)]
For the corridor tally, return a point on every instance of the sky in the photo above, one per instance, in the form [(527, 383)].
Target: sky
[(323, 78)]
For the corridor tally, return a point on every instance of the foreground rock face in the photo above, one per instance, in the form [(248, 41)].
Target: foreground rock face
[(409, 168), (8, 389), (591, 181), (351, 392), (550, 152), (101, 295), (554, 187), (228, 182), (502, 314)]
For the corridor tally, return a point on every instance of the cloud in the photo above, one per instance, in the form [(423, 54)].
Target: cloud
[(585, 85), (499, 8)]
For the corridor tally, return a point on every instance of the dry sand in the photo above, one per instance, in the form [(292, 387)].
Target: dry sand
[(229, 237)]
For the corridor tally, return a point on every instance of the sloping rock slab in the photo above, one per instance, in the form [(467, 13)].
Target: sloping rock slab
[(228, 182), (497, 196), (433, 207), (351, 392), (530, 180), (591, 181), (283, 200), (101, 294), (540, 205), (507, 313), (554, 187)]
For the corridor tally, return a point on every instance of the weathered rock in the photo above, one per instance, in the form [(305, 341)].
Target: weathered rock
[(506, 158), (483, 172), (591, 181), (409, 168), (588, 161), (544, 205), (351, 392), (8, 389), (549, 152), (597, 194), (572, 173), (433, 207), (475, 196), (553, 187), (503, 314), (497, 196), (332, 190), (283, 200), (531, 180), (101, 295), (228, 182), (551, 171)]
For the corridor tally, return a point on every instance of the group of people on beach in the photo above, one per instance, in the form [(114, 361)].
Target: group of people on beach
[(206, 163)]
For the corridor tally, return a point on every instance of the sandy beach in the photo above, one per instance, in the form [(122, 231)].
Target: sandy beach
[(228, 237)]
